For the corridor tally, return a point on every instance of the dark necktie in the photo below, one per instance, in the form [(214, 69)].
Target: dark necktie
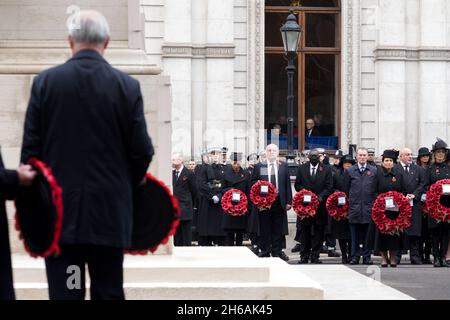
[(362, 169), (407, 168), (273, 180), (313, 173), (177, 174)]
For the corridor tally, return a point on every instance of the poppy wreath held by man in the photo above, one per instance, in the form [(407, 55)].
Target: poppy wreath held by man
[(263, 195), (390, 226), (337, 206), (234, 202), (305, 204), (436, 209)]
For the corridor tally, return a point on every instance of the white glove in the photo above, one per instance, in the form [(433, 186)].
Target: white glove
[(216, 199)]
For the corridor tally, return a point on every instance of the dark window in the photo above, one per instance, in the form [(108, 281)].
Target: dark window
[(317, 77)]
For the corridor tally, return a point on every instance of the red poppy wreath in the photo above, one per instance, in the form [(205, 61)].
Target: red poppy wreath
[(234, 202), (433, 204), (263, 195), (335, 210), (305, 204), (390, 226)]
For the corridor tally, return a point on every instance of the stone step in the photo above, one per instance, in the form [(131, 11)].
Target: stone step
[(194, 264), (203, 273)]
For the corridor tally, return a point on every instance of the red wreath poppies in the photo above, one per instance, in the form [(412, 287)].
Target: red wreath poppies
[(238, 209), (260, 201), (389, 226), (335, 211), (435, 209), (302, 210)]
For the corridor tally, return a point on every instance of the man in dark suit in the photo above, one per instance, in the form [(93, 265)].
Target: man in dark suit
[(316, 177), (85, 119), (271, 221), (9, 182), (311, 129), (358, 183), (185, 190), (414, 178)]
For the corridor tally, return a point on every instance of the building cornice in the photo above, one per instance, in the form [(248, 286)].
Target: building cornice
[(412, 54), (177, 50)]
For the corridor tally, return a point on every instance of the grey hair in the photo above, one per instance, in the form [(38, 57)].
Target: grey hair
[(91, 27)]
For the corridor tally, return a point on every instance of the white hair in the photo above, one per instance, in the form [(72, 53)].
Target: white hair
[(91, 28)]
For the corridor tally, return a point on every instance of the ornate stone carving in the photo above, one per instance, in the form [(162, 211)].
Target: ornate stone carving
[(412, 54), (190, 51)]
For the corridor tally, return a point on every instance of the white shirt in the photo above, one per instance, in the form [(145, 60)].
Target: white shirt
[(179, 171), (360, 166), (311, 169), (269, 172), (404, 165)]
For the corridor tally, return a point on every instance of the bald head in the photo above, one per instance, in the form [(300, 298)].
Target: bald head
[(89, 30), (406, 156), (272, 152)]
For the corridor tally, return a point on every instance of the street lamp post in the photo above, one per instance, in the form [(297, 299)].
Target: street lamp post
[(290, 32)]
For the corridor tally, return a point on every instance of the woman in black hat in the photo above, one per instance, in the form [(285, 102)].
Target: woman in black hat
[(387, 179), (235, 178), (423, 161), (9, 182), (439, 231), (424, 157), (341, 229)]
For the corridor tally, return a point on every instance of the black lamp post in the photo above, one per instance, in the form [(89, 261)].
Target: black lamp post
[(290, 32)]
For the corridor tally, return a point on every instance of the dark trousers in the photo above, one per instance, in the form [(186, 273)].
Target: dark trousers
[(6, 278), (66, 273), (183, 236), (346, 247), (330, 242), (311, 242), (439, 240), (234, 237), (271, 228), (425, 241), (254, 239), (208, 241), (414, 244), (358, 232)]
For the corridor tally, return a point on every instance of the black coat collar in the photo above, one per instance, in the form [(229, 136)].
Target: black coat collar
[(88, 54)]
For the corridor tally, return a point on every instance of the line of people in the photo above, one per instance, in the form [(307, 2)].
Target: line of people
[(361, 179)]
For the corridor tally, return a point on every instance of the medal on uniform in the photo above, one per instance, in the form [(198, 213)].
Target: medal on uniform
[(424, 197)]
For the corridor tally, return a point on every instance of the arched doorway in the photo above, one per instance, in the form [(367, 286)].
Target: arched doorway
[(317, 80)]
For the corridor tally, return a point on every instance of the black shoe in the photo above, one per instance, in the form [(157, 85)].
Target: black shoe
[(283, 256), (333, 254), (354, 261), (263, 255), (255, 250), (445, 263), (316, 261), (344, 259), (324, 249), (296, 248), (367, 261), (437, 263), (303, 261)]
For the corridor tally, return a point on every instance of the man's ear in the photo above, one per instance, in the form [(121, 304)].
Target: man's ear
[(106, 43), (70, 40)]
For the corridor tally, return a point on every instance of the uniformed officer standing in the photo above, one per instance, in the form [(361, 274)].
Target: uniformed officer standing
[(211, 189)]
